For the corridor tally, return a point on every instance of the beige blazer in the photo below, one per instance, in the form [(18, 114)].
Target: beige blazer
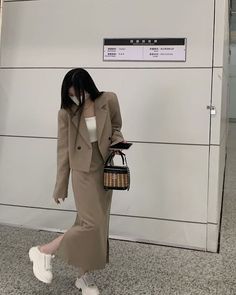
[(75, 152)]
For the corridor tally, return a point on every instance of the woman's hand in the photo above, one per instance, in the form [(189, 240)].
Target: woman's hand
[(58, 201), (117, 150)]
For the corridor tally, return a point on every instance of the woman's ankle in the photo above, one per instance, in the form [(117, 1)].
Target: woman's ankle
[(42, 250)]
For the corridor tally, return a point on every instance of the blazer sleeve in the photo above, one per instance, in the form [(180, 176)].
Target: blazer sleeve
[(116, 120), (63, 166)]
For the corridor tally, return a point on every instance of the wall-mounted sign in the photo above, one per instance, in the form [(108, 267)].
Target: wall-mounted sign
[(144, 49)]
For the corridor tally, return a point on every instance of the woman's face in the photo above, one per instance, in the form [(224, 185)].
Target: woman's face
[(71, 92)]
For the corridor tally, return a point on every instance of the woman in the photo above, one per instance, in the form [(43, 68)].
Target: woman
[(89, 122)]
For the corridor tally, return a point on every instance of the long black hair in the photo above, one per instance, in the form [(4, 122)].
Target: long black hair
[(81, 80)]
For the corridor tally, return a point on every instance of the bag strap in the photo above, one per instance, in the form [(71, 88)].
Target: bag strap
[(111, 156)]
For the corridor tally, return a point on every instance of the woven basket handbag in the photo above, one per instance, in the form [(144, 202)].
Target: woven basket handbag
[(116, 177)]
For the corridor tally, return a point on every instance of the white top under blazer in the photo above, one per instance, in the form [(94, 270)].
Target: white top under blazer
[(92, 128)]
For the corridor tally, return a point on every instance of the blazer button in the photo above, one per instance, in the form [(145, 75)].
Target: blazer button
[(79, 147), (109, 138)]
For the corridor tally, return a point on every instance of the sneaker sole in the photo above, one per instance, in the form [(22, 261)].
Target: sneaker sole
[(35, 270)]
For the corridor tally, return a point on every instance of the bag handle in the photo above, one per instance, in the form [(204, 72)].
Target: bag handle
[(111, 156)]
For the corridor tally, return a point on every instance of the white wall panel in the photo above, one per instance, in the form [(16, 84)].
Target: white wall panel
[(181, 234), (216, 174), (217, 103), (62, 34), (168, 181), (53, 220), (212, 237), (28, 172), (29, 101), (220, 101), (221, 36), (157, 105)]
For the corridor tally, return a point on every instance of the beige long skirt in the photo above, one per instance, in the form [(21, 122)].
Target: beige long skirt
[(86, 245)]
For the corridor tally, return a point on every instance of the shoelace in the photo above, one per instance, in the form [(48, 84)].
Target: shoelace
[(47, 261), (88, 280)]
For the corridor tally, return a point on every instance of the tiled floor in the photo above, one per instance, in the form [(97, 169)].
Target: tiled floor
[(153, 270)]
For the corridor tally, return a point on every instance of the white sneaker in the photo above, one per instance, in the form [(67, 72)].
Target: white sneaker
[(87, 285), (41, 264)]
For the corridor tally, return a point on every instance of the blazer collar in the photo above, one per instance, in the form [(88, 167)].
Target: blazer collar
[(100, 109)]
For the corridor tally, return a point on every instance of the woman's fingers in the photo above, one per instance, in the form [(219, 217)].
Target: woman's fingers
[(117, 152), (57, 201)]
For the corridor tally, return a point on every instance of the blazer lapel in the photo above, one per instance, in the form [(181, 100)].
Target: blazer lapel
[(100, 109)]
